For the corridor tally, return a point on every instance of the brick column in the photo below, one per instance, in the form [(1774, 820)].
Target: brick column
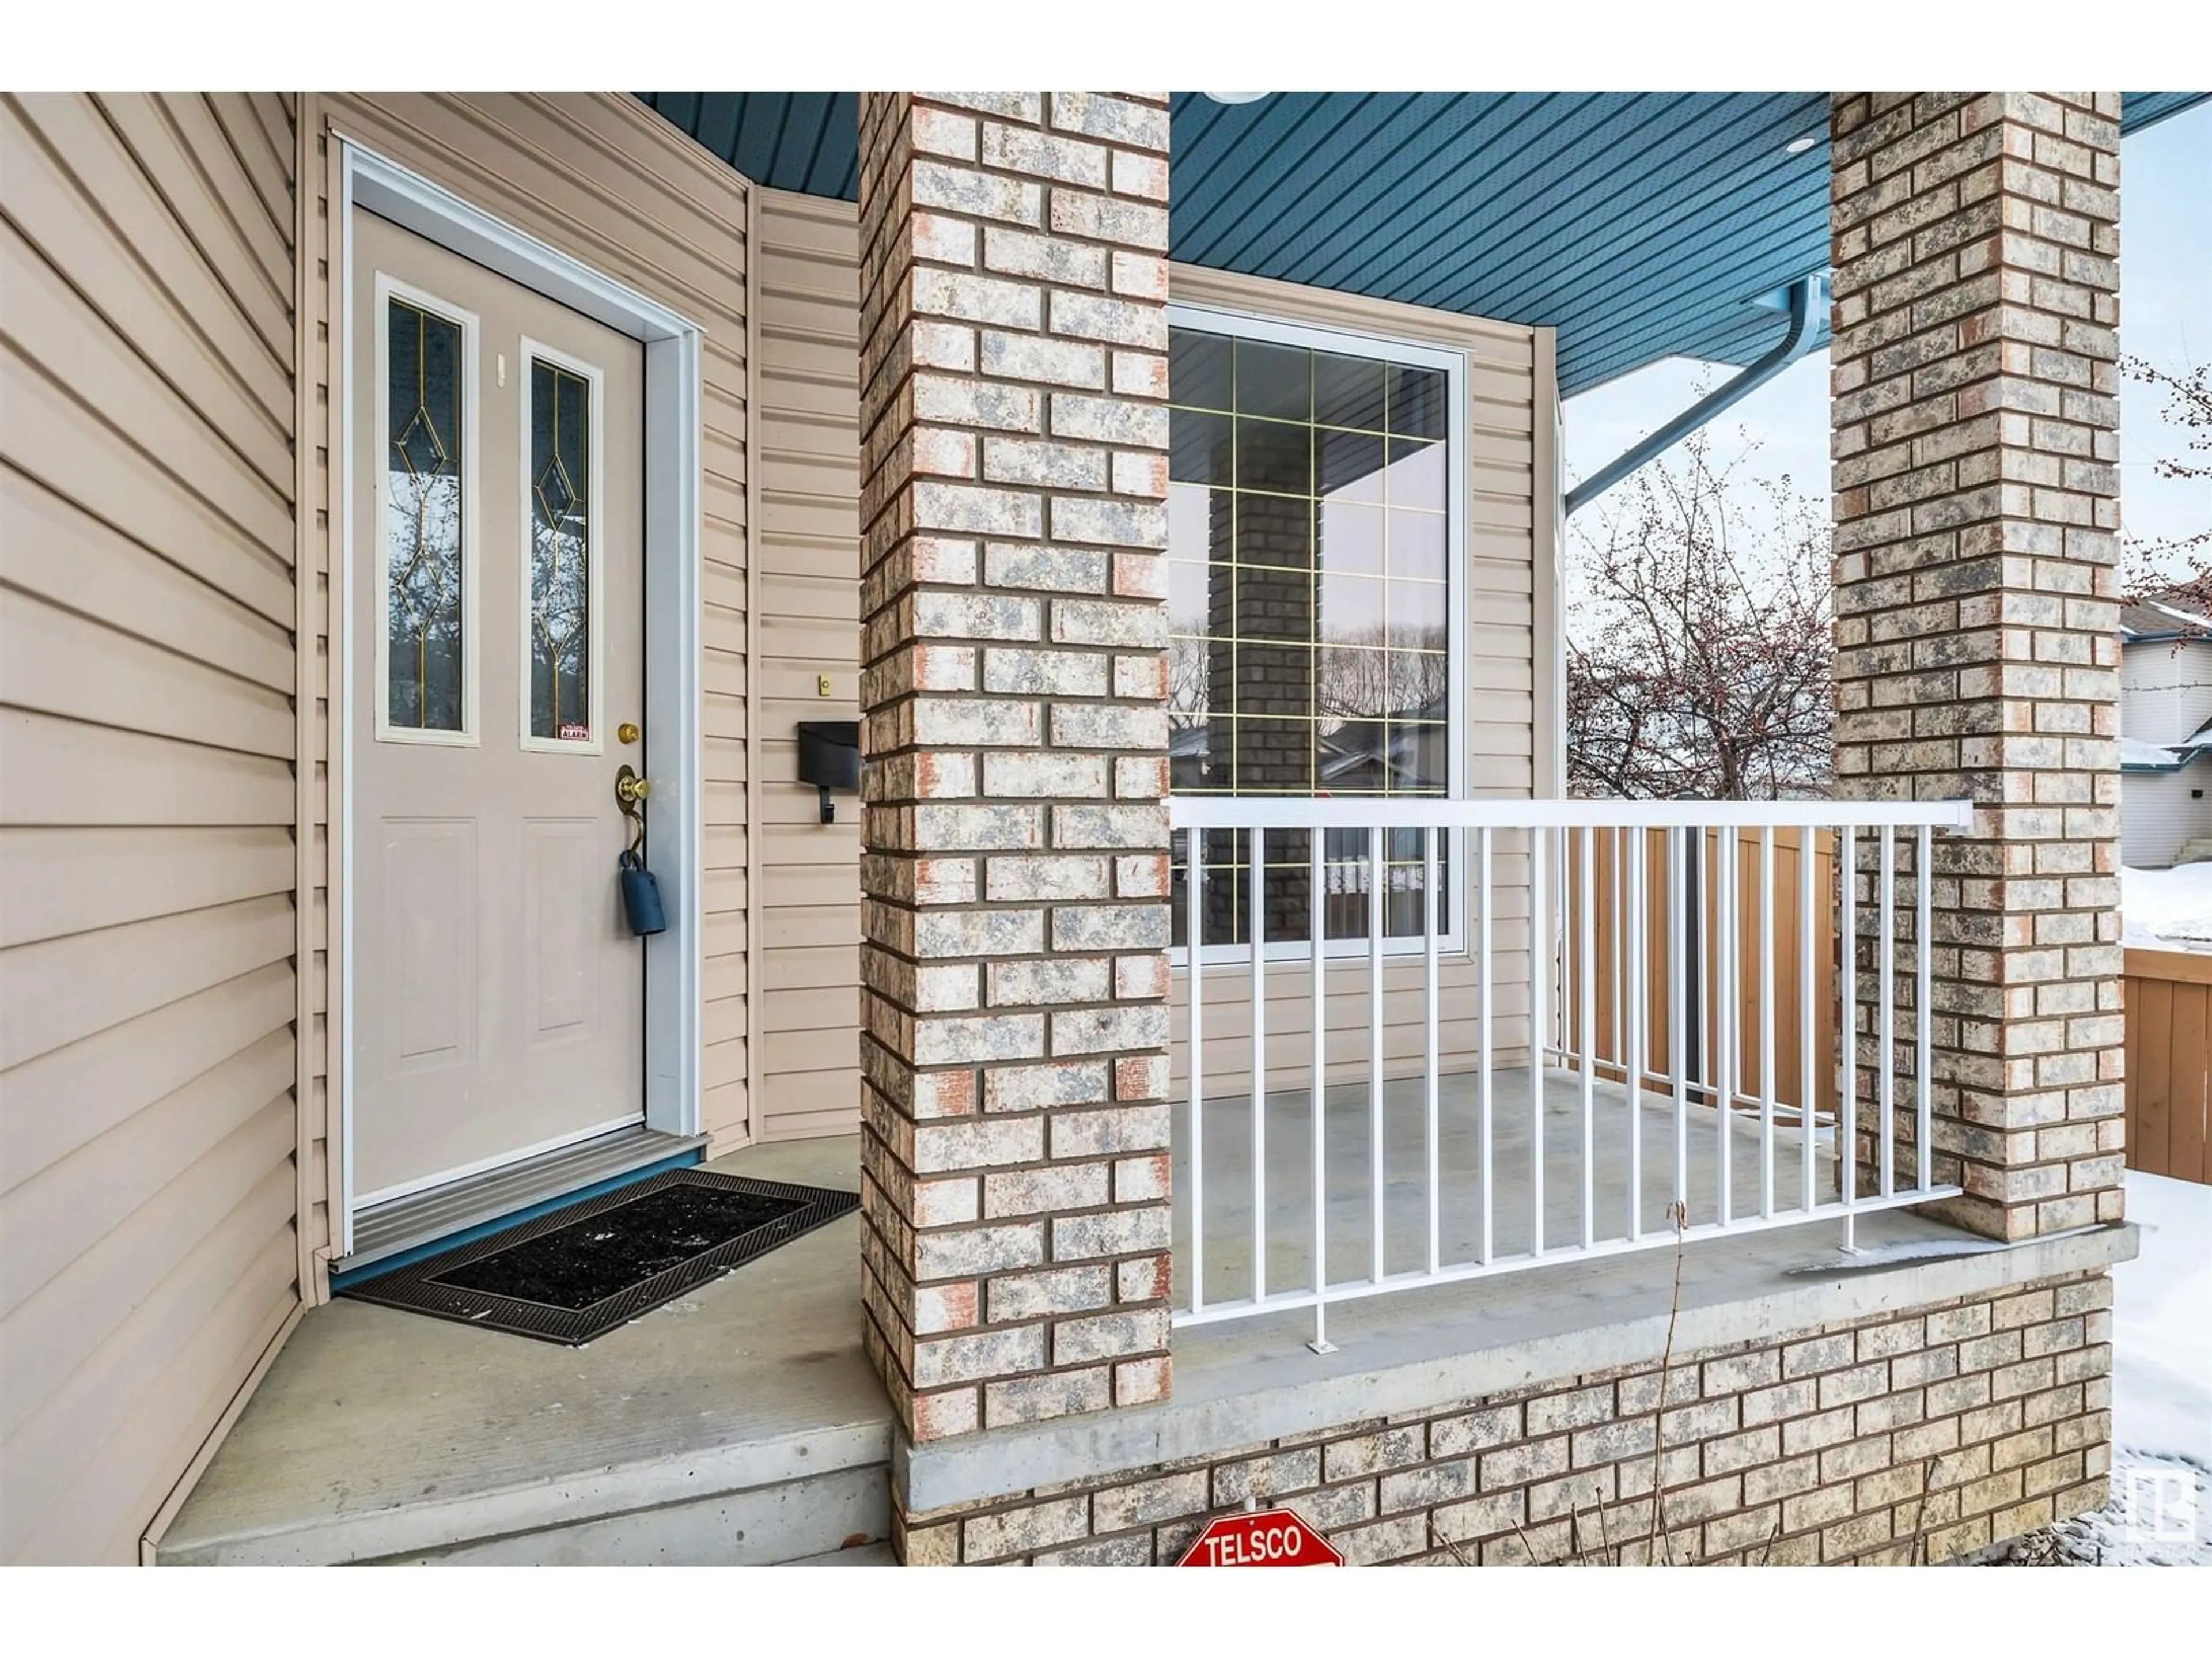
[(1013, 386), (1976, 286)]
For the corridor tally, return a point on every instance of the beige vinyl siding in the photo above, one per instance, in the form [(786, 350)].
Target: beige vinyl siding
[(1510, 670), (606, 181), (2160, 812), (806, 286), (148, 1257), (807, 461)]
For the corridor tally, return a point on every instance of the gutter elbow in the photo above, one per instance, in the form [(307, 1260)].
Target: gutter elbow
[(1805, 297)]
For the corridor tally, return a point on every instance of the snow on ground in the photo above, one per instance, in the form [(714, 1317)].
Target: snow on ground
[(2162, 1510), (2162, 1321), (2167, 909)]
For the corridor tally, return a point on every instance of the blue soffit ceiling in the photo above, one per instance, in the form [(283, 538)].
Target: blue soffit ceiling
[(1640, 225)]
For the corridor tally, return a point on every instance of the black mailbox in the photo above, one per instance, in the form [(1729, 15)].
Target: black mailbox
[(830, 758)]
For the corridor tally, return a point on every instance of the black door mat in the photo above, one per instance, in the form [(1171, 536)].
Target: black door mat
[(580, 1270)]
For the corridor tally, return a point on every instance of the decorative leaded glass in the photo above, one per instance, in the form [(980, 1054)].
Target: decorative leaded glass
[(1308, 606), (423, 521), (560, 553)]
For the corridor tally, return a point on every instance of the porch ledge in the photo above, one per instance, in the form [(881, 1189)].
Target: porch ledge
[(721, 1427), (1246, 1382)]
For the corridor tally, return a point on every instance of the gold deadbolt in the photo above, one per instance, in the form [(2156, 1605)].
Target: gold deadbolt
[(628, 733)]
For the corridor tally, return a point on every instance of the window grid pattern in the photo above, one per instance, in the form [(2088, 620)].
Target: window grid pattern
[(1309, 598), (424, 507), (560, 553)]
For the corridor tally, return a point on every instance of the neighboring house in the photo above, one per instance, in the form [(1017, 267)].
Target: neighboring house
[(2166, 733), (383, 478)]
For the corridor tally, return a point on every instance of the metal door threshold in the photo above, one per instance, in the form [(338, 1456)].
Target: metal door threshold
[(440, 1213)]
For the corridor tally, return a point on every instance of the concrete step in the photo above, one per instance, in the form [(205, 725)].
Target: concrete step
[(815, 1519), (740, 1423), (861, 1555)]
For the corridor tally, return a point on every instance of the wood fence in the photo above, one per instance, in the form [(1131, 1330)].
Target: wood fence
[(2169, 1059), (2168, 994), (1679, 960)]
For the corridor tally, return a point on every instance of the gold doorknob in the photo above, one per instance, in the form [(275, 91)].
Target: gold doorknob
[(630, 788)]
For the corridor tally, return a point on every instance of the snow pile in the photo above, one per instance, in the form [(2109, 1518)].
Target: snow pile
[(2167, 909), (2162, 1322), (2161, 1513), (2135, 752), (2186, 618)]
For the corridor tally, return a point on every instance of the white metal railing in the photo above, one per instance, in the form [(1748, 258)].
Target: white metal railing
[(1622, 929)]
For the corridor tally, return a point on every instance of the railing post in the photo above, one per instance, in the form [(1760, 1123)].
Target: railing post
[(1317, 1089), (1483, 1002), (1194, 979), (1256, 874), (1697, 958), (1725, 1039), (1766, 1020), (1616, 938), (1924, 1054), (1586, 959), (1429, 909), (1885, 1015), (1540, 976), (1678, 1006), (1808, 1088), (1847, 1138), (1377, 873), (1638, 1013)]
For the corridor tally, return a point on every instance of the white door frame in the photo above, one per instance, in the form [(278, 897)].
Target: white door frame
[(673, 836)]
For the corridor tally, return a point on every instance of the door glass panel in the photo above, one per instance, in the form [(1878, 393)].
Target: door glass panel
[(559, 554), (423, 620)]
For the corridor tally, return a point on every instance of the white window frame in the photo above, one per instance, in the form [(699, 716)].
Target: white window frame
[(389, 288), (1418, 354), (534, 351)]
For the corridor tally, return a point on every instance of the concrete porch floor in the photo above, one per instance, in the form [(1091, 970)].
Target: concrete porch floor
[(1349, 1150), (742, 1423)]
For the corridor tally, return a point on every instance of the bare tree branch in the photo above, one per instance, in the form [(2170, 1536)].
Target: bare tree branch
[(1698, 641), (2177, 570)]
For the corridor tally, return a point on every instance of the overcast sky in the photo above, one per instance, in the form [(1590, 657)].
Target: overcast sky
[(2166, 316)]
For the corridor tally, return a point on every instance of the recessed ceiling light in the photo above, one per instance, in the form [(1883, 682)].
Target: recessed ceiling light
[(1237, 97), (1799, 146)]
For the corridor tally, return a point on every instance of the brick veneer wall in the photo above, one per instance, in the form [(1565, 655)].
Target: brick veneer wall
[(1977, 303), (1909, 1436), (1013, 385)]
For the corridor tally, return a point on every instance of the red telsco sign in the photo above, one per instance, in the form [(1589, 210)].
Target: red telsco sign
[(1265, 1538)]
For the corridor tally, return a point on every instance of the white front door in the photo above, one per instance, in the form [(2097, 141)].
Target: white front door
[(497, 629)]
